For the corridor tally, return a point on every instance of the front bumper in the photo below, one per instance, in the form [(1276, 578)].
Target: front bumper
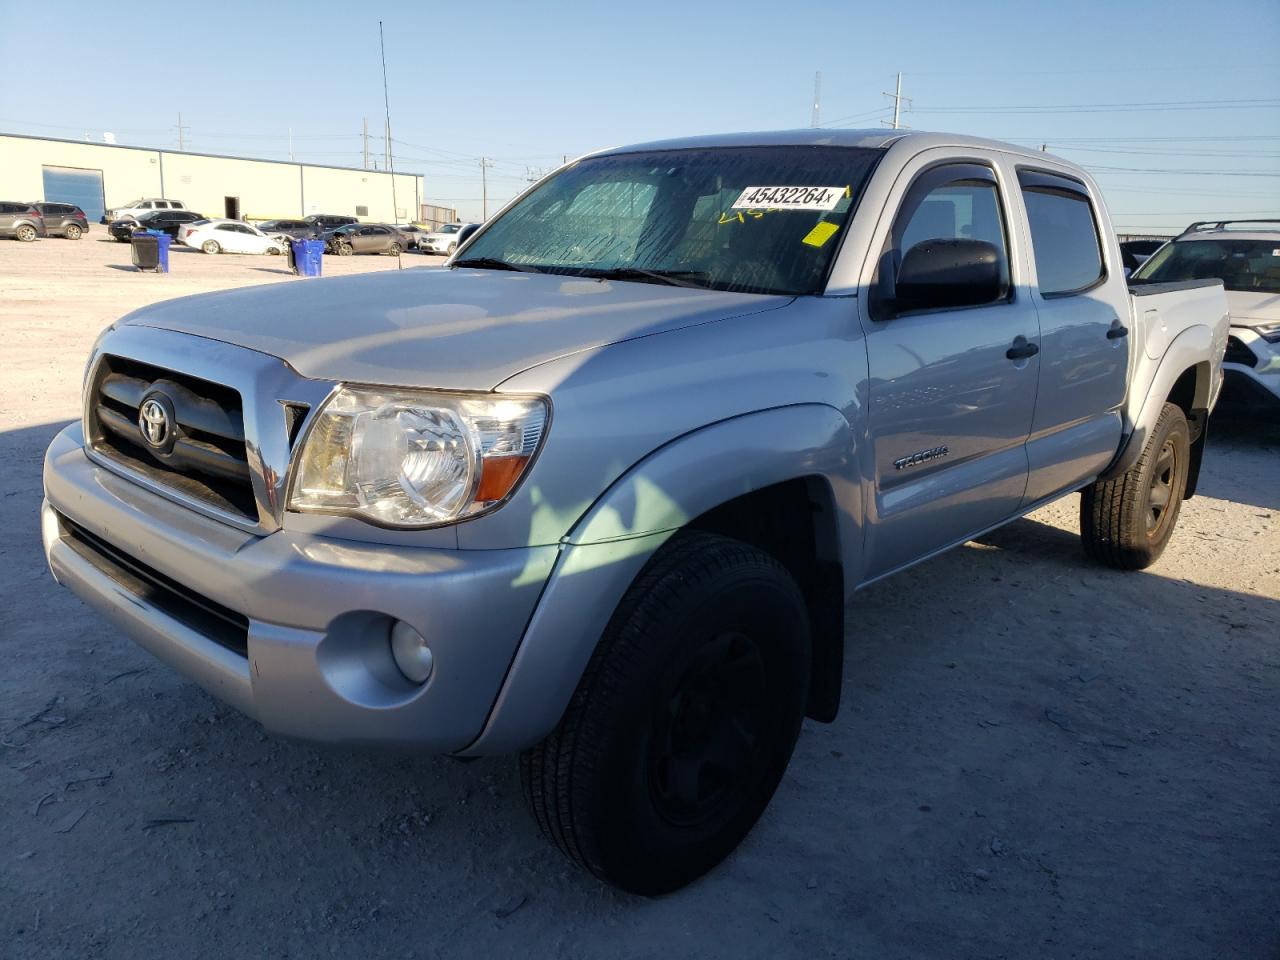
[(313, 612), (1252, 373)]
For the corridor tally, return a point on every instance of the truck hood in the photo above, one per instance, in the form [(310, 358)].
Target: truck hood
[(464, 329), (1252, 306)]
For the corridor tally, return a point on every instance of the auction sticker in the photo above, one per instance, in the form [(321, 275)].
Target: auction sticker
[(789, 198)]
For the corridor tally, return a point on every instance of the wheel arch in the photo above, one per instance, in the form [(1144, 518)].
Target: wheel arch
[(1184, 378), (753, 477)]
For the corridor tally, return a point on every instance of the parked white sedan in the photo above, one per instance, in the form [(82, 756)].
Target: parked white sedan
[(229, 236)]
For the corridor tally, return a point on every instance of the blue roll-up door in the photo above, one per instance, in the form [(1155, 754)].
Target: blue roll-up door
[(73, 185)]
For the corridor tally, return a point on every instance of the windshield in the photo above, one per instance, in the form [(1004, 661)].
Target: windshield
[(747, 219), (450, 228), (1252, 265)]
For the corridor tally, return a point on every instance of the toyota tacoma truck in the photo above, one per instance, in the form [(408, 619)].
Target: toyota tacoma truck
[(597, 492)]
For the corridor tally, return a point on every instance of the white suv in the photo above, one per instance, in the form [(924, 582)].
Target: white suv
[(131, 211), (1245, 256)]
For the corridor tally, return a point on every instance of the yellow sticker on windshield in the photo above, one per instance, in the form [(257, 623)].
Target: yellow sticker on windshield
[(820, 234)]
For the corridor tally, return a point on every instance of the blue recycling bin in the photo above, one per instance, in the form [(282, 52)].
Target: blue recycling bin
[(306, 257), (151, 250)]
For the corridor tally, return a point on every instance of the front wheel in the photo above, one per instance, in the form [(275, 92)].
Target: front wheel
[(26, 233), (452, 247), (73, 231), (211, 246), (344, 250), (1126, 522), (394, 249), (684, 720)]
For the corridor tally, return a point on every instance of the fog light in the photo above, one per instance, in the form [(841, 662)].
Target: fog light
[(412, 655)]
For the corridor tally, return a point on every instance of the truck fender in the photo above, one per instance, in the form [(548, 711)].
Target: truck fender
[(1186, 351), (606, 549)]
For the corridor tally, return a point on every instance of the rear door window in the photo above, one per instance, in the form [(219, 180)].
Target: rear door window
[(1064, 233)]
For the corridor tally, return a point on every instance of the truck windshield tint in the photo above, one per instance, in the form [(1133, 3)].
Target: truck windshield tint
[(1240, 264), (750, 219)]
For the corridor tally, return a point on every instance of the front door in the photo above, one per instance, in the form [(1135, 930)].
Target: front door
[(952, 391)]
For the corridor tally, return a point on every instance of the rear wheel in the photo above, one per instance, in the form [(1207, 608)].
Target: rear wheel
[(1126, 522), (26, 233), (73, 231), (684, 721), (211, 246)]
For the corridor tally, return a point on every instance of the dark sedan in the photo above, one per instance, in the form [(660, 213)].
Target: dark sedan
[(166, 221), (363, 238)]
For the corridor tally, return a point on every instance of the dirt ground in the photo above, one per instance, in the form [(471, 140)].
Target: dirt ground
[(1036, 758)]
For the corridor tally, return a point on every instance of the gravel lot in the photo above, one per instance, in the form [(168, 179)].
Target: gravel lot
[(1036, 757)]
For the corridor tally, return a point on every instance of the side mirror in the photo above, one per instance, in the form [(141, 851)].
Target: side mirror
[(465, 233), (938, 274)]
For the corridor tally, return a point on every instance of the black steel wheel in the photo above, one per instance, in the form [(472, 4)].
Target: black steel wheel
[(684, 721), (1126, 522)]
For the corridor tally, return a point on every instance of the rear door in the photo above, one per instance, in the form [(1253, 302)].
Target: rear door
[(951, 392), (1083, 308)]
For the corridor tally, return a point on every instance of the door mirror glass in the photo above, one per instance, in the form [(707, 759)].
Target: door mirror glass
[(940, 274)]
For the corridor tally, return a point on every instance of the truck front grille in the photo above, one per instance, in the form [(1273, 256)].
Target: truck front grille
[(207, 617), (203, 456)]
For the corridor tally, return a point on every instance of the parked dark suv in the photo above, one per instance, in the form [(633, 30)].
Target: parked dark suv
[(324, 222), (296, 229), (21, 221), (63, 220), (166, 221)]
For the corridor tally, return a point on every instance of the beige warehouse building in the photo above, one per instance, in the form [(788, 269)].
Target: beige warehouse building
[(102, 176)]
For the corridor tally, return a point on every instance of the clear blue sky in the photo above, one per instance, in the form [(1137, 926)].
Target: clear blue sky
[(526, 83)]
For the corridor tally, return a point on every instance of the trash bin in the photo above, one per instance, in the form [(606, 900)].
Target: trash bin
[(145, 249), (150, 249), (306, 257)]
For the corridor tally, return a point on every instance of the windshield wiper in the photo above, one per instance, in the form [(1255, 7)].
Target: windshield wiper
[(493, 263), (674, 278)]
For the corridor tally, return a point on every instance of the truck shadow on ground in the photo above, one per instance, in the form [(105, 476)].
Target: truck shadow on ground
[(1028, 743)]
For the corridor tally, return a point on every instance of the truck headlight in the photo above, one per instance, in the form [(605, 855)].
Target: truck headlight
[(415, 458)]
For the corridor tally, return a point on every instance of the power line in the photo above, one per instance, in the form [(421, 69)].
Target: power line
[(1154, 106)]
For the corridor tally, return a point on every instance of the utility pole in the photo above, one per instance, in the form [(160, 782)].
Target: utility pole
[(182, 140), (386, 142), (291, 144), (365, 136), (485, 164), (897, 105), (815, 116)]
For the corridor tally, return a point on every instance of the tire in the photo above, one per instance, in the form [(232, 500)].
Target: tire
[(684, 720), (1126, 522), (273, 251), (211, 246), (394, 250), (26, 233), (345, 250), (73, 231)]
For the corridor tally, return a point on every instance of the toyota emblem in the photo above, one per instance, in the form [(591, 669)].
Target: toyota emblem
[(155, 423)]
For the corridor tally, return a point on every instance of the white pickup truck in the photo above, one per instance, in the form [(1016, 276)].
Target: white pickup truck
[(600, 490)]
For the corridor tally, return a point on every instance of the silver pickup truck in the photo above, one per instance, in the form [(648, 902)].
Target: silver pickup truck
[(599, 490)]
